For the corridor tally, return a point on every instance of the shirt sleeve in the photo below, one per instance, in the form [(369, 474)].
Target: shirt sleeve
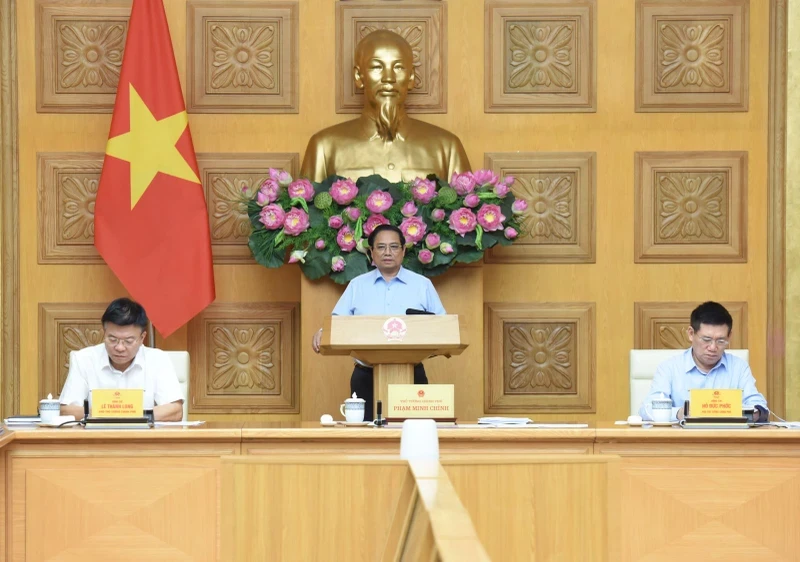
[(433, 303), (168, 389), (345, 305), (76, 388), (660, 388), (750, 395)]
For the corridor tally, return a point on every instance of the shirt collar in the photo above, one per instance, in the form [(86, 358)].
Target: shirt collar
[(402, 276), (689, 364), (137, 360)]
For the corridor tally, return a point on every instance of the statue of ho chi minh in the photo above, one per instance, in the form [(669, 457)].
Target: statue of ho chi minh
[(384, 140)]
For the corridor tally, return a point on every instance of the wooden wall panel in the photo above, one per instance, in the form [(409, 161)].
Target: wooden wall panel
[(242, 57), (65, 327), (245, 358), (560, 189), (663, 325), (692, 57), (539, 357), (691, 207), (424, 26), (541, 57), (79, 54)]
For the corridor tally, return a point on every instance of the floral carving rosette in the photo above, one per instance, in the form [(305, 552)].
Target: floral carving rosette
[(324, 226)]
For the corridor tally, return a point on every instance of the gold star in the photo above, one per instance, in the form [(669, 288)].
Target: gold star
[(150, 147)]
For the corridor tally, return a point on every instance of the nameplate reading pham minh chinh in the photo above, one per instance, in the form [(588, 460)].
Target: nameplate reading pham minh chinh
[(427, 401), (715, 403), (117, 403)]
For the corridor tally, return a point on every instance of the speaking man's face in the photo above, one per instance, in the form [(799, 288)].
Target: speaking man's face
[(388, 252)]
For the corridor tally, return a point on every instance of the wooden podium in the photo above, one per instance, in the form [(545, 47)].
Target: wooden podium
[(392, 344)]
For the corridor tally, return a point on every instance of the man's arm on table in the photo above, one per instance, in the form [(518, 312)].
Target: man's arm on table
[(169, 412), (75, 391)]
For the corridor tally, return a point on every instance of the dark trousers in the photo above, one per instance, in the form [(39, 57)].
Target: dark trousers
[(361, 383)]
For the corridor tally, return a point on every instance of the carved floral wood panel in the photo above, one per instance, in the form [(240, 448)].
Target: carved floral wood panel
[(245, 358), (663, 325), (559, 224), (691, 207), (422, 24), (692, 56), (539, 357), (224, 176), (540, 58), (242, 57), (79, 47), (65, 327), (67, 189)]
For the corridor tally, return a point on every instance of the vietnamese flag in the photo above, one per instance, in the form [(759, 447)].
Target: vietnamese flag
[(151, 222)]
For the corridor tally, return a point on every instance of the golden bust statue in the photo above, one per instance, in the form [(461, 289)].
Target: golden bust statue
[(384, 140)]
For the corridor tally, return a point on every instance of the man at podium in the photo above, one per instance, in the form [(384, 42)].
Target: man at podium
[(390, 289)]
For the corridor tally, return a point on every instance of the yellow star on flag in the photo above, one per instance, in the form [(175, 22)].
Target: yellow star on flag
[(150, 147)]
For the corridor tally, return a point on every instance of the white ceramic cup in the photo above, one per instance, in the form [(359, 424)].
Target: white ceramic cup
[(49, 409), (419, 440), (662, 409), (353, 410)]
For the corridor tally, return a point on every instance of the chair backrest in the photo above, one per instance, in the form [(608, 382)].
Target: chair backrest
[(643, 365), (180, 361)]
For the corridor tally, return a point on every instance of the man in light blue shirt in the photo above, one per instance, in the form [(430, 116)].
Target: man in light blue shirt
[(390, 289), (705, 365)]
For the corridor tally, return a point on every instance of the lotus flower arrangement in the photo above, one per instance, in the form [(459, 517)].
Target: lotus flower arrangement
[(324, 226)]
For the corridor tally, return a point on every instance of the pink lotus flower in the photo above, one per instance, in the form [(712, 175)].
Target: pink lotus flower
[(337, 263), (509, 180), (491, 218), (320, 244), (409, 209), (519, 206), (346, 239), (296, 222), (335, 221), (472, 200), (423, 190), (438, 215), (298, 256), (344, 191), (425, 256), (462, 221), (379, 201), (302, 189), (511, 233), (463, 183), (485, 177), (501, 190), (446, 248), (353, 213), (413, 229), (281, 176), (372, 222), (268, 192), (272, 217), (432, 241)]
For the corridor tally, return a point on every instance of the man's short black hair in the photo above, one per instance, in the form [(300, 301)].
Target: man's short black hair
[(384, 228), (712, 314), (125, 312)]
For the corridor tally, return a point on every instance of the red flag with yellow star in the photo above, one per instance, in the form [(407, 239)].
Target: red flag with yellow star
[(151, 222)]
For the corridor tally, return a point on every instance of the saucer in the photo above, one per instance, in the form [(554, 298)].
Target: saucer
[(354, 424), (653, 423)]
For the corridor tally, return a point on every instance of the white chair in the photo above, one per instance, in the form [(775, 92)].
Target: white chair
[(643, 365), (180, 360)]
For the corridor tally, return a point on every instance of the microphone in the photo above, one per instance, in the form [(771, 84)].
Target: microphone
[(417, 311), (379, 421)]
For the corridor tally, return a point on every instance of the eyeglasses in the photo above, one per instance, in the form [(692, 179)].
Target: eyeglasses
[(127, 342), (393, 248), (721, 342)]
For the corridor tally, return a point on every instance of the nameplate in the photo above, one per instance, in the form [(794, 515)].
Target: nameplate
[(122, 403), (715, 403), (421, 401)]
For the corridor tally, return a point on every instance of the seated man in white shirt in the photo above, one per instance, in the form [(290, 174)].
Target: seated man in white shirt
[(121, 361)]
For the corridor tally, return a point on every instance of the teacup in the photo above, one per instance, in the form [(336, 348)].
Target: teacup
[(353, 410), (49, 409), (662, 409)]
